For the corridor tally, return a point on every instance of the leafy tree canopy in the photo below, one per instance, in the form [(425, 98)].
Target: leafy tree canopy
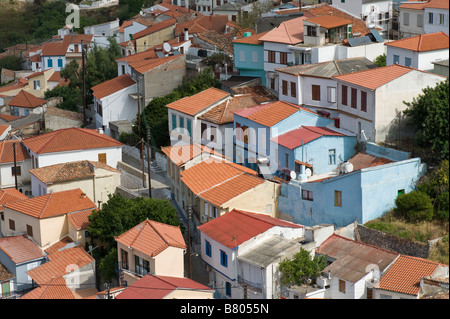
[(429, 115), (301, 268)]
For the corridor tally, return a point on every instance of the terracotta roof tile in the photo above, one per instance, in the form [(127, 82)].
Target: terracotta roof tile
[(201, 24), (125, 24), (405, 274), (112, 86), (223, 113), (193, 104), (157, 287), (25, 99), (80, 220), (269, 114), (422, 42), (20, 249), (417, 5), (10, 195), (363, 160), (53, 204), (374, 78), (151, 238), (69, 139), (55, 49), (290, 32), (155, 28), (237, 226), (56, 288), (147, 65), (329, 21), (253, 39), (181, 154), (141, 56), (7, 151), (304, 134)]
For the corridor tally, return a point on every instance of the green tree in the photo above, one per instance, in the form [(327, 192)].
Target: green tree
[(72, 97), (11, 62), (301, 268), (50, 16), (248, 19), (380, 60), (107, 265), (429, 115), (414, 206)]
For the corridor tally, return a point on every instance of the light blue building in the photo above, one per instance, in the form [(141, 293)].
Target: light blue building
[(364, 190), (249, 56), (256, 126), (318, 149)]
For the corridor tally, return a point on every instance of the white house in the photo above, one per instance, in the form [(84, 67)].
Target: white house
[(9, 170), (353, 267), (375, 13), (103, 31), (370, 102), (72, 144), (114, 100), (227, 244), (436, 14), (419, 51)]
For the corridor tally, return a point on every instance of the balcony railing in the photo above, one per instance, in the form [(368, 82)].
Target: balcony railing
[(257, 287)]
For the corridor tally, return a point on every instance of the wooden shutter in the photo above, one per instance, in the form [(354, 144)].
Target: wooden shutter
[(316, 92), (354, 98), (284, 87), (293, 89), (363, 101), (102, 158), (344, 95)]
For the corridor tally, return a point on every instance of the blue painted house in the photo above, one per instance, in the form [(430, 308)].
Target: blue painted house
[(256, 126), (364, 191), (19, 255), (318, 149), (249, 56)]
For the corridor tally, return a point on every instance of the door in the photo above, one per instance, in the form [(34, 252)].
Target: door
[(5, 290)]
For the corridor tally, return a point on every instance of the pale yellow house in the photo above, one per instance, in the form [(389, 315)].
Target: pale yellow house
[(96, 179), (45, 218), (151, 248), (154, 35)]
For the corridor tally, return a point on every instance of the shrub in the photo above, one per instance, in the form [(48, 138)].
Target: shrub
[(414, 206)]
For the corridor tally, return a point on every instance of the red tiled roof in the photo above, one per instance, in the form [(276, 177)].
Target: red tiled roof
[(151, 238), (55, 49), (363, 160), (53, 204), (10, 195), (157, 287), (223, 113), (236, 227), (80, 220), (25, 99), (374, 78), (124, 25), (204, 23), (141, 56), (180, 154), (20, 248), (56, 288), (155, 28), (253, 39), (422, 42), (111, 86), (303, 135), (417, 5), (329, 21), (353, 258), (7, 151), (405, 274), (191, 105), (69, 139), (271, 113), (289, 32), (147, 65)]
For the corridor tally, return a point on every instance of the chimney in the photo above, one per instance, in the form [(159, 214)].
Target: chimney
[(83, 195), (100, 130), (186, 34)]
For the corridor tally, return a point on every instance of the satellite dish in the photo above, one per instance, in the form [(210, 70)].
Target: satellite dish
[(308, 172), (167, 47), (293, 175)]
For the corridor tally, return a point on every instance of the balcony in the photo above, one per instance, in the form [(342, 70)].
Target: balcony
[(256, 287)]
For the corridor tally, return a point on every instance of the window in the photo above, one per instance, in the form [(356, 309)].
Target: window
[(223, 258), (213, 133), (283, 57), (254, 56), (16, 171), (311, 31), (441, 19), (203, 130), (316, 92), (29, 230), (342, 286), (344, 95), (123, 69), (396, 59), (272, 83), (363, 101), (407, 61), (420, 20), (12, 224), (284, 87), (174, 121), (271, 56), (405, 18), (102, 158), (242, 56), (331, 94), (181, 123), (430, 17), (354, 98), (332, 156), (189, 126), (228, 289), (338, 198), (36, 84), (293, 89), (286, 160), (142, 266), (307, 195), (383, 296), (50, 63), (60, 63)]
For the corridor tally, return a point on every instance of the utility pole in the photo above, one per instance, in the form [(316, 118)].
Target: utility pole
[(189, 241), (139, 125), (15, 164), (84, 83), (148, 164)]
